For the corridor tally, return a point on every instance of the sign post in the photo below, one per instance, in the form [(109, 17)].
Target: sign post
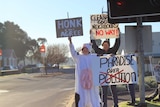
[(141, 63), (43, 50)]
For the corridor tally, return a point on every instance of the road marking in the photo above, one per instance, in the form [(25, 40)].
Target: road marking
[(4, 91), (67, 89)]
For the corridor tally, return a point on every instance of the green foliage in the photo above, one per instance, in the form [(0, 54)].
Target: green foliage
[(13, 37), (149, 104), (150, 81)]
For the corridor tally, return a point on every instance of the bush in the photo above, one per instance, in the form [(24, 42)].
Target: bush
[(150, 81)]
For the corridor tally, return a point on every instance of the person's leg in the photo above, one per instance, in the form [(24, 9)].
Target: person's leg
[(77, 98), (105, 94), (158, 91), (159, 97), (153, 95), (132, 92), (114, 94)]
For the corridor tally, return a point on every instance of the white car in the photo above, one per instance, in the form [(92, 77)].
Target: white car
[(7, 67)]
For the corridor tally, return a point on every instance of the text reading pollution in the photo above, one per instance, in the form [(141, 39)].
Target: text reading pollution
[(116, 69)]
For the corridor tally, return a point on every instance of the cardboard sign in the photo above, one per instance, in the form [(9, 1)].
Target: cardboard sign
[(69, 27), (113, 70), (157, 72), (101, 28)]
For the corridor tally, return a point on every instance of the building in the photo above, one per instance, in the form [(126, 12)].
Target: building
[(9, 58), (151, 58)]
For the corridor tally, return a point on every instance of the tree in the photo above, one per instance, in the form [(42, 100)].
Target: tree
[(1, 35), (38, 54), (33, 49), (42, 40), (56, 54), (13, 37)]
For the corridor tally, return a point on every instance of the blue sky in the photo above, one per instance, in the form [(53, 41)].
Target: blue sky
[(37, 17)]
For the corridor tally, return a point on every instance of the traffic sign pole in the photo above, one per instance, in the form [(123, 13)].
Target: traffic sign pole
[(43, 50), (141, 63)]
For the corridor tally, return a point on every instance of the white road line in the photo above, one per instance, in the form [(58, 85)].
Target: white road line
[(4, 91), (67, 89)]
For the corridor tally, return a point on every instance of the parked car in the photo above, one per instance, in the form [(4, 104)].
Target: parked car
[(7, 67), (30, 68), (55, 66)]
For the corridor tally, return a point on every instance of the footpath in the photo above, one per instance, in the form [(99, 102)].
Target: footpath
[(121, 98)]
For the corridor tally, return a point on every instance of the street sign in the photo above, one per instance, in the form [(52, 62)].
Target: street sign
[(131, 38), (0, 52), (42, 48)]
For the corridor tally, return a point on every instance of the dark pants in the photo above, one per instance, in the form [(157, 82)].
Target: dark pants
[(77, 98), (132, 92), (114, 95), (153, 95)]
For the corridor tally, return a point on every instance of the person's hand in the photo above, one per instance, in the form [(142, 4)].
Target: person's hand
[(70, 39), (92, 37), (92, 34)]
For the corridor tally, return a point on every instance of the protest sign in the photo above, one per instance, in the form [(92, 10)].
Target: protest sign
[(155, 66), (113, 70), (101, 28), (69, 27), (157, 72)]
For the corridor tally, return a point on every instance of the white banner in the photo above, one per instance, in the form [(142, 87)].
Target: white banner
[(155, 67), (101, 28), (113, 70), (157, 72)]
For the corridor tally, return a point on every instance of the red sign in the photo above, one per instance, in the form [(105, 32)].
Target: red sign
[(0, 52), (42, 48)]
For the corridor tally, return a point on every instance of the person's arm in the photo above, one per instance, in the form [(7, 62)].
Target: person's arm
[(96, 48), (94, 45), (72, 49)]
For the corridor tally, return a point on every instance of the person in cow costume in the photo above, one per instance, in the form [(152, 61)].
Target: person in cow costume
[(86, 94)]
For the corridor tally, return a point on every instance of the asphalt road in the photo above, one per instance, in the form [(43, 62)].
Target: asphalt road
[(34, 90)]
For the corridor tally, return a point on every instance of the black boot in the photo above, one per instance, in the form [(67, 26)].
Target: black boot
[(77, 98)]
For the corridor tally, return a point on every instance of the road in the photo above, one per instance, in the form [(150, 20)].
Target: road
[(34, 90)]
